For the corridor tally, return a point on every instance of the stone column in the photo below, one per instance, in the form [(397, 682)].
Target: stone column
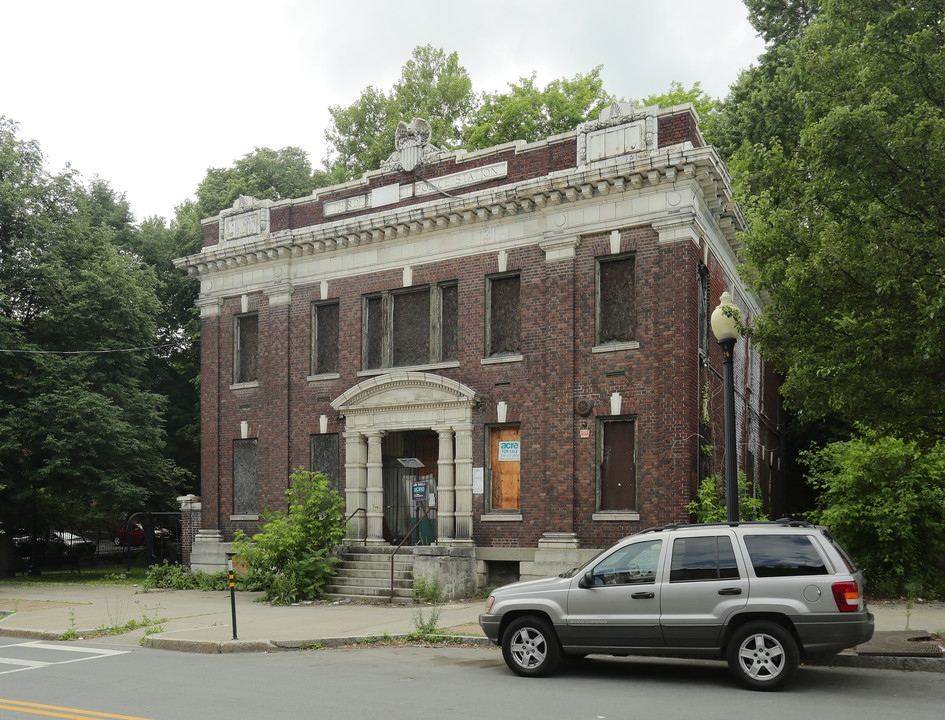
[(445, 488), (375, 489), (464, 464), (355, 483)]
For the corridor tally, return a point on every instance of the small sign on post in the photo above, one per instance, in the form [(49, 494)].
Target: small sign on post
[(420, 490)]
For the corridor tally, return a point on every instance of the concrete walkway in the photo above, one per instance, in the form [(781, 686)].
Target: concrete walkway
[(195, 621)]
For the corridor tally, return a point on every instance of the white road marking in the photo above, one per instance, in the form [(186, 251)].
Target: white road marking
[(86, 652)]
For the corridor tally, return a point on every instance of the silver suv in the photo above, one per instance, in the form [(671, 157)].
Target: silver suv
[(763, 596)]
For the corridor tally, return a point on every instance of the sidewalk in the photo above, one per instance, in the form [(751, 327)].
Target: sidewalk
[(195, 621)]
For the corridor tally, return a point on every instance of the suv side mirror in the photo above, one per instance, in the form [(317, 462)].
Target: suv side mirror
[(587, 581)]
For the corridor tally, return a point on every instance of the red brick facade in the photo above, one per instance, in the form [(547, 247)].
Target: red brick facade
[(668, 214)]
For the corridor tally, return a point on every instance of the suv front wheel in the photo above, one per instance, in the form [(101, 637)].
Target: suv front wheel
[(530, 647), (762, 655)]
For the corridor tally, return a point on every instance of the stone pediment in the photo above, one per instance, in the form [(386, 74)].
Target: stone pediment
[(404, 391)]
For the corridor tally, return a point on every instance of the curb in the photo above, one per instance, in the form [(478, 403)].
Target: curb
[(237, 646)]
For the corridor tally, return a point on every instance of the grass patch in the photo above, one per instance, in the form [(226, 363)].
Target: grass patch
[(97, 576)]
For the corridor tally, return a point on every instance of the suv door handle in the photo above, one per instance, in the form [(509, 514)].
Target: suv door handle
[(643, 595), (730, 591)]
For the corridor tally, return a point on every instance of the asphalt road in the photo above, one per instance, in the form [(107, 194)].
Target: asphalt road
[(88, 680)]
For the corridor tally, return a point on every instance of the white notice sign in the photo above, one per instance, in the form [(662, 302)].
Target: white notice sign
[(478, 480), (510, 451)]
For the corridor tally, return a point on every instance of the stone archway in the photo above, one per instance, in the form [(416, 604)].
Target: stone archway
[(398, 401)]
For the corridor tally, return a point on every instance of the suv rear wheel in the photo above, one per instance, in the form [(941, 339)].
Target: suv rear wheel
[(762, 655), (530, 647)]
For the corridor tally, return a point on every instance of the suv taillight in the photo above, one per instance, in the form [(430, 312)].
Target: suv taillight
[(847, 596)]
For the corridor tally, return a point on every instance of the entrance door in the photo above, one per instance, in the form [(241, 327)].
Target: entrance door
[(618, 470), (401, 512)]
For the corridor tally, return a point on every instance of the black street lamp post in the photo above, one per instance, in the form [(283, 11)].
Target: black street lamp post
[(725, 319)]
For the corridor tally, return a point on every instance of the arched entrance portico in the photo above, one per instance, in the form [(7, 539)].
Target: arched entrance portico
[(400, 401)]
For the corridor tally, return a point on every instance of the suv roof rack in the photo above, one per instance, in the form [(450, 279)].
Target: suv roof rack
[(780, 522)]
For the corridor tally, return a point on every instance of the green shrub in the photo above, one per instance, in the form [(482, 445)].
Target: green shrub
[(293, 557), (427, 588), (709, 505), (178, 577), (884, 500)]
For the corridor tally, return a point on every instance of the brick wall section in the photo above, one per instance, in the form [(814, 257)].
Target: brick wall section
[(660, 384), (673, 129)]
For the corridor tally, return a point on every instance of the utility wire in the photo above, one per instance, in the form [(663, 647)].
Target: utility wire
[(86, 352)]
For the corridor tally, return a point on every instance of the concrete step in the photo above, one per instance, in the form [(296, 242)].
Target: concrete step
[(383, 573), (380, 582), (376, 566), (397, 600)]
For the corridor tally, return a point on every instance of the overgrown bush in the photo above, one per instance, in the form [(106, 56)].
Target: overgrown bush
[(178, 577), (884, 500), (292, 558), (709, 505)]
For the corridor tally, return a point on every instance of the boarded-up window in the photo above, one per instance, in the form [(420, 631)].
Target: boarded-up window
[(245, 477), (373, 332), (325, 338), (449, 312), (617, 465), (616, 301), (326, 458), (703, 309), (505, 467), (416, 327), (411, 331), (246, 348), (504, 334)]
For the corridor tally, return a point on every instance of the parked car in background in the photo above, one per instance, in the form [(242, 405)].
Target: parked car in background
[(120, 535), (71, 544), (762, 595), (51, 547)]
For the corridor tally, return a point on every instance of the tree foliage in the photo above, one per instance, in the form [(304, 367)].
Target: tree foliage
[(432, 85), (847, 233), (528, 113), (263, 173), (884, 499), (81, 431)]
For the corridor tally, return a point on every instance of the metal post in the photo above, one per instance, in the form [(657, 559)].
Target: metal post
[(731, 481), (232, 581)]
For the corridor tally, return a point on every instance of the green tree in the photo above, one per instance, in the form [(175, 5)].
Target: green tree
[(780, 21), (432, 85), (847, 235), (529, 113), (80, 430), (263, 173), (884, 499), (706, 105)]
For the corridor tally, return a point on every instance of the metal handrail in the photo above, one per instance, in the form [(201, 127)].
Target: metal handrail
[(364, 510), (396, 549)]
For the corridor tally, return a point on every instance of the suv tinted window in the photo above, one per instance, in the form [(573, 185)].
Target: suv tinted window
[(784, 555), (703, 558)]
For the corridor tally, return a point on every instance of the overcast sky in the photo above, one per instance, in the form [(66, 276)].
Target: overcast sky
[(149, 95)]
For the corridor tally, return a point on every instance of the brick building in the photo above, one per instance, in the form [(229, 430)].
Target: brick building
[(523, 328)]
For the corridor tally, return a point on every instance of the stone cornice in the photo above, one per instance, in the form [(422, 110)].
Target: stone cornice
[(666, 168)]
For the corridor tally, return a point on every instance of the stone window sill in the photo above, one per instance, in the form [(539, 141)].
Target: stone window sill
[(499, 359), (249, 518), (608, 516), (245, 385), (615, 347), (324, 376), (501, 517)]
